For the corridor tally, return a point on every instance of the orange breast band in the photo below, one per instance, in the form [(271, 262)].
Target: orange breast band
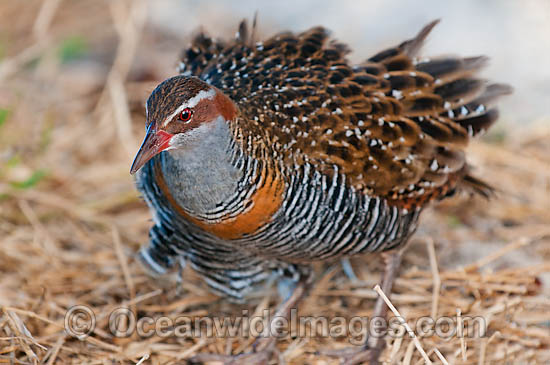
[(265, 202)]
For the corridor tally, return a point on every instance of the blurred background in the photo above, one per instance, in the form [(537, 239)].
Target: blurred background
[(515, 34), (74, 76)]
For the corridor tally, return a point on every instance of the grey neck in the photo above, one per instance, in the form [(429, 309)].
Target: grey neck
[(200, 175)]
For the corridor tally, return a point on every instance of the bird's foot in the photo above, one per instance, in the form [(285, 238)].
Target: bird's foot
[(263, 349), (370, 352)]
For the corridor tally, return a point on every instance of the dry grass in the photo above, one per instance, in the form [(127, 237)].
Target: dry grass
[(71, 220)]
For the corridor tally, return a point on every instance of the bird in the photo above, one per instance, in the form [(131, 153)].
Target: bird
[(262, 157)]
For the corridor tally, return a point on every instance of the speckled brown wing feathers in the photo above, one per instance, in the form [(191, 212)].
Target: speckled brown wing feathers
[(395, 125)]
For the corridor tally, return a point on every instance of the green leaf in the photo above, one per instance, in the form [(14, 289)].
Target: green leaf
[(4, 113), (13, 161), (31, 181), (496, 136), (46, 135), (453, 221), (72, 48)]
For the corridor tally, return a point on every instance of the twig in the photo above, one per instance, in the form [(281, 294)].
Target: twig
[(408, 353), (143, 359), (460, 334), (524, 241), (55, 350), (123, 263), (441, 357), (404, 323), (121, 111), (34, 315), (436, 277), (44, 18)]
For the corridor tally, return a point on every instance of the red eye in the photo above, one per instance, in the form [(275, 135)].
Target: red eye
[(186, 114)]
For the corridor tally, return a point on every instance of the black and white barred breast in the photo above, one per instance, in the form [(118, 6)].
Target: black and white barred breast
[(320, 218)]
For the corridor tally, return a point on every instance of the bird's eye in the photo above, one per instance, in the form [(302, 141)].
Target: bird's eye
[(186, 114)]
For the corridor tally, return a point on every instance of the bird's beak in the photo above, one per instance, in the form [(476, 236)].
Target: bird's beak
[(154, 143)]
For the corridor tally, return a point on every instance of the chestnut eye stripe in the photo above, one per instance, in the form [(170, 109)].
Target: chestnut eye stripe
[(192, 102)]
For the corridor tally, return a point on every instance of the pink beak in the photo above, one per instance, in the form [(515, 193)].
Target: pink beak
[(154, 143)]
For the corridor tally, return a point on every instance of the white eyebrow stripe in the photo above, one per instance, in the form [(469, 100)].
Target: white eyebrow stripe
[(203, 94)]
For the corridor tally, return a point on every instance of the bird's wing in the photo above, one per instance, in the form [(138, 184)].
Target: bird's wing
[(395, 125)]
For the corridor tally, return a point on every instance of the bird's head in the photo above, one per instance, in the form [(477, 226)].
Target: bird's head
[(180, 112)]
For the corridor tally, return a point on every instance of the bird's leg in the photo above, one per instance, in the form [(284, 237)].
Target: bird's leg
[(179, 279), (348, 270), (392, 261), (285, 308), (263, 347), (370, 351)]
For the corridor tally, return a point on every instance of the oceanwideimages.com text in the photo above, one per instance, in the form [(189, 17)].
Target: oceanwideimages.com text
[(80, 321)]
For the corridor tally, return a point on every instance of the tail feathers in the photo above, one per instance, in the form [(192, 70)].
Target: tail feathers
[(449, 68), (483, 102), (446, 86), (467, 100), (479, 114), (479, 123), (412, 46), (460, 91), (477, 186), (400, 57)]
